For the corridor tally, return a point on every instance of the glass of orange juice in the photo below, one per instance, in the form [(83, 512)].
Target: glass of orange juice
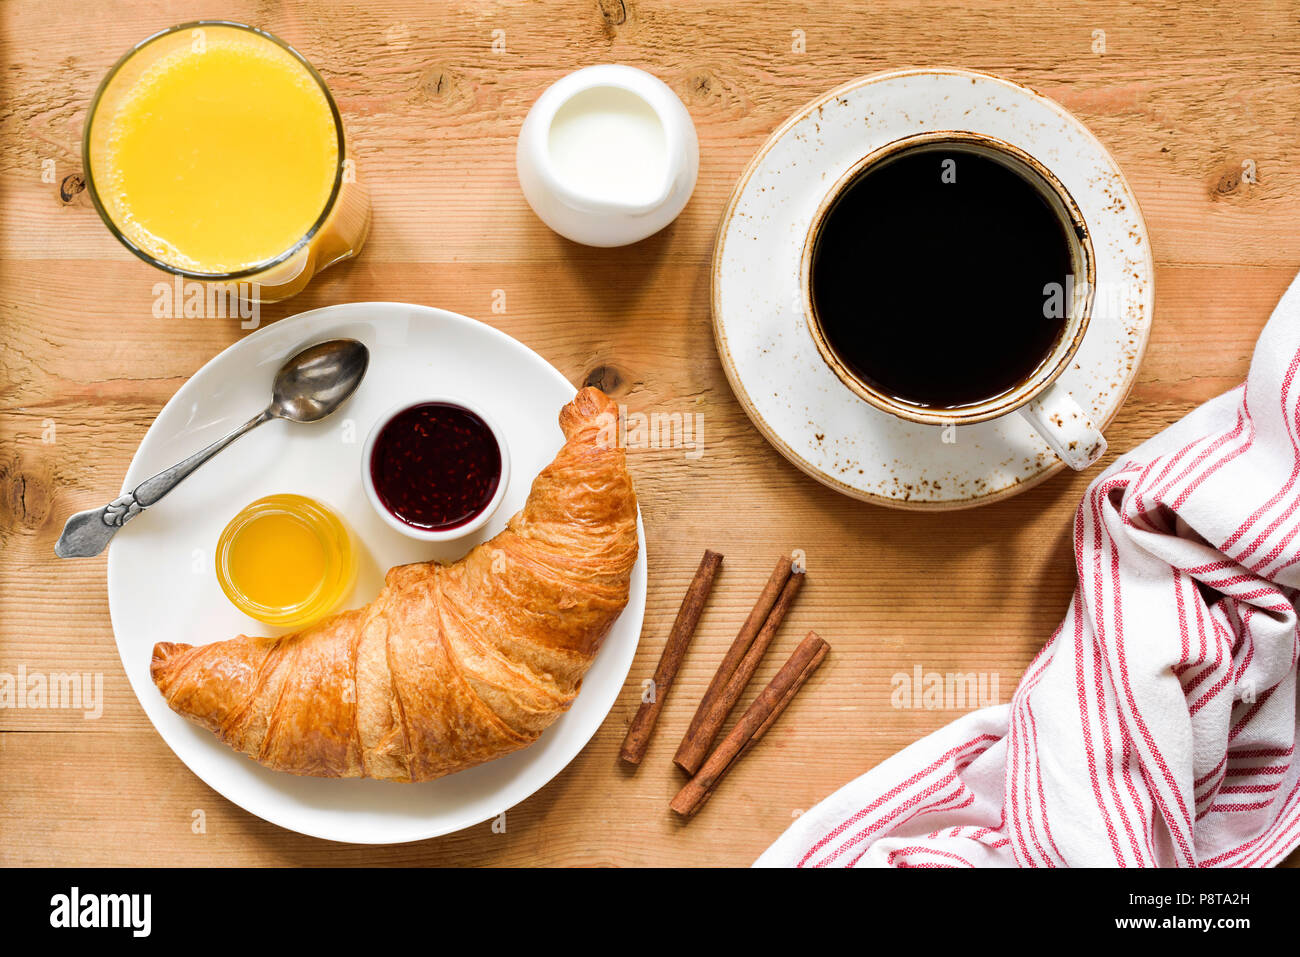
[(214, 151)]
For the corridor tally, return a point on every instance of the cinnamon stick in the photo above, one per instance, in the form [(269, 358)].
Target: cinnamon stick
[(756, 721), (679, 639), (718, 701), (753, 624)]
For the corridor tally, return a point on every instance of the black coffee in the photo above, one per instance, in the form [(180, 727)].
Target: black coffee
[(929, 276)]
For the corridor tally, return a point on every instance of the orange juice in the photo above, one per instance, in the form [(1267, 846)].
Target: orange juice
[(216, 152)]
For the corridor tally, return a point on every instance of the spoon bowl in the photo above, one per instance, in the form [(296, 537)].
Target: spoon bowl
[(319, 379)]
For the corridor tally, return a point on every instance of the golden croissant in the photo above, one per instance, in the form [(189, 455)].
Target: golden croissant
[(452, 665)]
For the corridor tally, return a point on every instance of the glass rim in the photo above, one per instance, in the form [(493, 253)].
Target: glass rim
[(256, 268)]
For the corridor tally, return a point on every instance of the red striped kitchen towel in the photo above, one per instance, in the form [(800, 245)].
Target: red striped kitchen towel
[(1158, 725)]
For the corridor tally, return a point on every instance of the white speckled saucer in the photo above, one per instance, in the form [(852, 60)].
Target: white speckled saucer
[(769, 355)]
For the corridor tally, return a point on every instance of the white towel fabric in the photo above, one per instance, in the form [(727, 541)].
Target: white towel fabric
[(1158, 725)]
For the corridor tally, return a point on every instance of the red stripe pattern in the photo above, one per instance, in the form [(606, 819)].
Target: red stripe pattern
[(1158, 725)]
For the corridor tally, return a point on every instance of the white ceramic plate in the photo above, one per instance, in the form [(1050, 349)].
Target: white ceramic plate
[(769, 355), (162, 582)]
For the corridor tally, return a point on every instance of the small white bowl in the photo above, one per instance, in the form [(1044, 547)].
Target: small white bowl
[(428, 534)]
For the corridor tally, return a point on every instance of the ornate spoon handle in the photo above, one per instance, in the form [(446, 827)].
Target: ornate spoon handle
[(86, 534)]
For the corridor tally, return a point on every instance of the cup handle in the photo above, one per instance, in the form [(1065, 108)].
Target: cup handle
[(1065, 427)]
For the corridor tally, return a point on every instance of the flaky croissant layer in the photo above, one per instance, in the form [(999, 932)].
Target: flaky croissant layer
[(452, 665)]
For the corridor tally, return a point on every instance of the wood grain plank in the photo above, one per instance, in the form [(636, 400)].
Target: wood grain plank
[(1181, 100)]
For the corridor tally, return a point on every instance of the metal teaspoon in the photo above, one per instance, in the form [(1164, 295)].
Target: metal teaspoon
[(308, 387)]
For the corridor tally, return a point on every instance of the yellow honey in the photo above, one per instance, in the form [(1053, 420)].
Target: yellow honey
[(286, 560)]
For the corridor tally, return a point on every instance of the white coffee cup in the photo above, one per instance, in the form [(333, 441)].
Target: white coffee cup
[(1043, 402)]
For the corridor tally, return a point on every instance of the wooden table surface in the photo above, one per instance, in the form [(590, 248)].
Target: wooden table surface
[(1183, 96)]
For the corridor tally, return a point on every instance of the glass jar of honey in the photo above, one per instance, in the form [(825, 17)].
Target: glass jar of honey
[(286, 560)]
